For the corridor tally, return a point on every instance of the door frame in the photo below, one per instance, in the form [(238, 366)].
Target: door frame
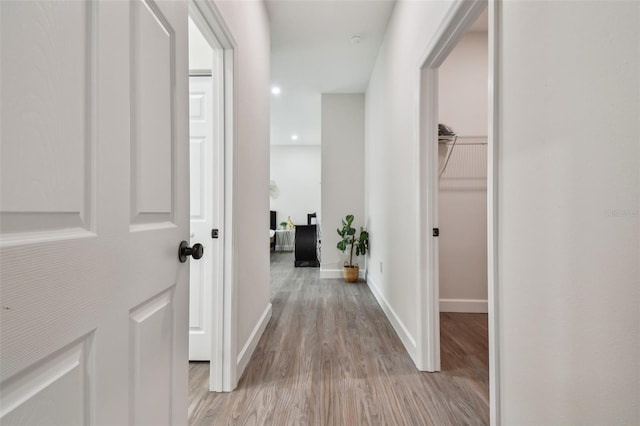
[(223, 365), (461, 15)]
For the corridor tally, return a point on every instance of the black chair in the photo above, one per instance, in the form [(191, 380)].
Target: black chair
[(311, 216), (306, 251)]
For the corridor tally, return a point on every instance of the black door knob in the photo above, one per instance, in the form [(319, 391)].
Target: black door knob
[(196, 251)]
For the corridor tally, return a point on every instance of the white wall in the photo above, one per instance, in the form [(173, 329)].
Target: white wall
[(200, 53), (391, 166), (342, 175), (463, 248), (463, 86), (569, 202), (462, 217), (569, 212), (248, 23), (296, 172)]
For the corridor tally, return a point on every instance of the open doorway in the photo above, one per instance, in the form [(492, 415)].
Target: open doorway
[(295, 212), (462, 205), (210, 321), (204, 197), (457, 180), (462, 183), (294, 192), (295, 181)]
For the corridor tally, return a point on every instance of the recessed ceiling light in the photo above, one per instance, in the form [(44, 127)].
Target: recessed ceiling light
[(275, 90), (355, 39), (294, 137)]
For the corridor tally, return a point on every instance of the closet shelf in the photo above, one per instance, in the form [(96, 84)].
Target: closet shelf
[(462, 140), (450, 142)]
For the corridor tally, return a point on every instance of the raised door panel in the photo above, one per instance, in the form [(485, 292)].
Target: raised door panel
[(46, 122), (151, 364), (198, 203), (197, 156), (153, 138), (197, 295), (196, 104), (55, 391)]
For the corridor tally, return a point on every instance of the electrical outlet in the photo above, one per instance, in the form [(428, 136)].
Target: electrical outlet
[(381, 266)]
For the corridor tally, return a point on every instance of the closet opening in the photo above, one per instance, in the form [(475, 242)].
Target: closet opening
[(457, 199), (462, 204)]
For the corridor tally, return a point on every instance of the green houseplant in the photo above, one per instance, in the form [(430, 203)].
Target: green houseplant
[(358, 242)]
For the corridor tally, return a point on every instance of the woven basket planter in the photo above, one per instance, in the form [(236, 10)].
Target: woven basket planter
[(350, 274)]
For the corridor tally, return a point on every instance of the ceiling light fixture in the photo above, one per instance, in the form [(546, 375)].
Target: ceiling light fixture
[(355, 39), (294, 137), (276, 90)]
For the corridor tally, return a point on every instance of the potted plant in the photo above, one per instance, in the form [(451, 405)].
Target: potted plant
[(359, 243), (284, 224)]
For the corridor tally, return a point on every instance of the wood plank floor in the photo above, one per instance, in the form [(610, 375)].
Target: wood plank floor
[(329, 356)]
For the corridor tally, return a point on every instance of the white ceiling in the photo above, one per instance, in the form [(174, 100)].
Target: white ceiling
[(311, 54)]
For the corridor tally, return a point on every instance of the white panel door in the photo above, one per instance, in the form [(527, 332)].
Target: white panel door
[(94, 204), (202, 194)]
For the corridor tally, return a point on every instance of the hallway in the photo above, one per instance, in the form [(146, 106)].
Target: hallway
[(329, 356)]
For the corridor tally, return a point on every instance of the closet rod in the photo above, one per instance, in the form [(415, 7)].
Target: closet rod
[(200, 73), (464, 143), (456, 140)]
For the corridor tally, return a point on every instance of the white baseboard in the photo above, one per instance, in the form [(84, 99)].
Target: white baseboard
[(408, 341), (245, 354), (475, 306), (337, 273)]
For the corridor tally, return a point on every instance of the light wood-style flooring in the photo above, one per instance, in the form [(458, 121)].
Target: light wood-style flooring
[(329, 356)]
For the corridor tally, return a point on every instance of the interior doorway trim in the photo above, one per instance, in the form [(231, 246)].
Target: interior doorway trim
[(223, 366), (461, 15)]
